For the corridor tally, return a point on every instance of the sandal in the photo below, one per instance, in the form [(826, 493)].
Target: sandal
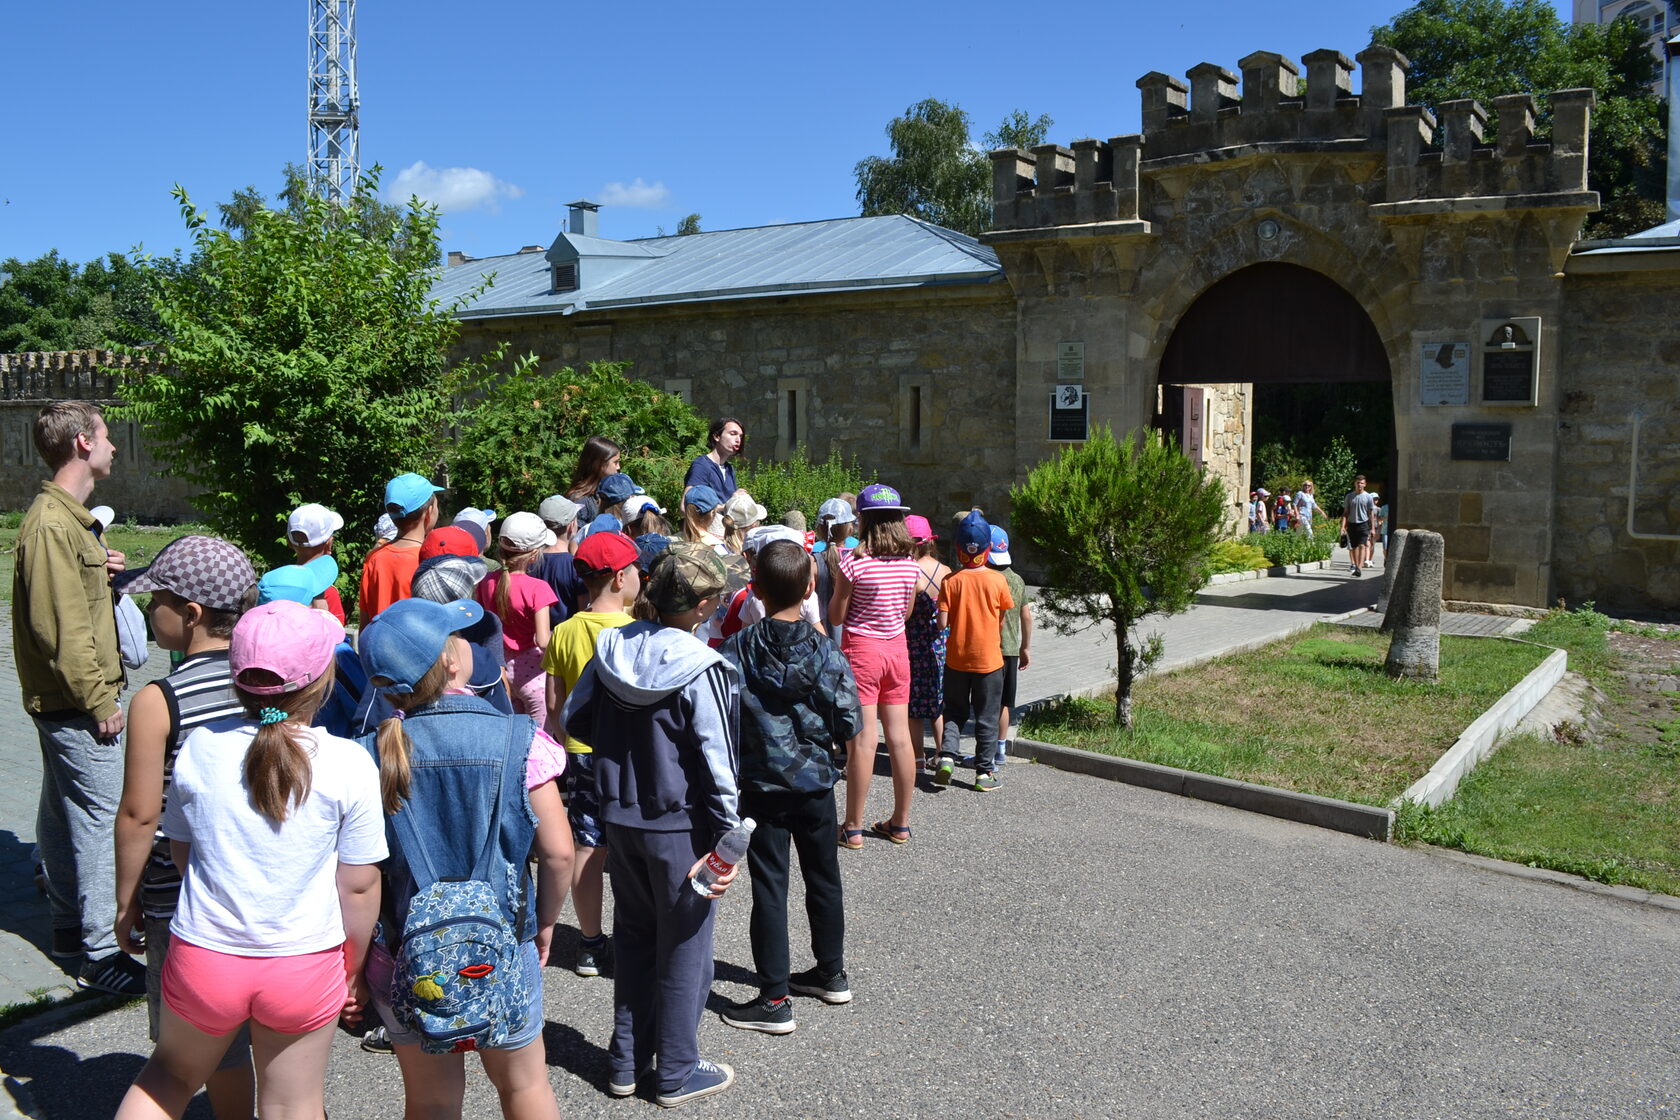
[(851, 839), (886, 830)]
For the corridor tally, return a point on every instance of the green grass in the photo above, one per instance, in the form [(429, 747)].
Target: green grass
[(138, 543), (1609, 814), (1586, 635), (1313, 713)]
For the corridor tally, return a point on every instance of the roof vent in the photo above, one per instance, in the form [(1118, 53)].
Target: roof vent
[(585, 218), (531, 248), (565, 277), (457, 257)]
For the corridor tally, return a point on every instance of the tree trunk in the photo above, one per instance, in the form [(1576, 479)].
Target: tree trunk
[(1124, 672)]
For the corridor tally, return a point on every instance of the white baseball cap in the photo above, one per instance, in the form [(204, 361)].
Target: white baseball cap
[(312, 524), (637, 503), (525, 531)]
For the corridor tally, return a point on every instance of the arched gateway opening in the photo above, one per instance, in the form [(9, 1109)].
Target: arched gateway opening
[(1272, 361)]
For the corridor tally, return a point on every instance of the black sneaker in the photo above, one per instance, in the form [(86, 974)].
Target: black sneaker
[(378, 1041), (591, 955), (829, 989), (769, 1016), (119, 974), (66, 944)]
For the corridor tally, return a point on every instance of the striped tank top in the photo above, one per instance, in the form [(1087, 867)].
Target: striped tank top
[(882, 591), (199, 691)]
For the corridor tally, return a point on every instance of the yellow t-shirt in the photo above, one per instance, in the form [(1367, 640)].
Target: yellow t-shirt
[(570, 649)]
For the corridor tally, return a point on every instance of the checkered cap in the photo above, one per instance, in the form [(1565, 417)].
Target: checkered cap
[(448, 579), (683, 576), (204, 570)]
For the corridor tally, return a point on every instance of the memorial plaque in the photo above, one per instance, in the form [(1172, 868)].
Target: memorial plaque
[(1485, 442), (1070, 414), (1070, 361), (1508, 377), (1444, 373)]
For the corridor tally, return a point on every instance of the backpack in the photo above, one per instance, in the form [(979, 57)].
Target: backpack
[(459, 979)]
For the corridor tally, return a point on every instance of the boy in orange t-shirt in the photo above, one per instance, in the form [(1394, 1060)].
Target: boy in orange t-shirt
[(972, 602), (388, 571)]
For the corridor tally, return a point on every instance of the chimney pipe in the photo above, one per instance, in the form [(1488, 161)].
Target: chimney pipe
[(1672, 65), (585, 218)]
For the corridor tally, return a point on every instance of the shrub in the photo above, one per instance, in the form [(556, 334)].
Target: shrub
[(1295, 546), (521, 441), (1235, 556), (800, 483)]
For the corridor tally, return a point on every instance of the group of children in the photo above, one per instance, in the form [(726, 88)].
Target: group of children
[(385, 832)]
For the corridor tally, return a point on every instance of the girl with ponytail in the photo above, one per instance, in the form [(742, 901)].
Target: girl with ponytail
[(522, 601), (442, 757), (277, 828)]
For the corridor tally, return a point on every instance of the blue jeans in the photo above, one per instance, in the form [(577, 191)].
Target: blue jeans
[(81, 784)]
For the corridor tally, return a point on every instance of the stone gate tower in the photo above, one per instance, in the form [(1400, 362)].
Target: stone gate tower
[(1326, 235)]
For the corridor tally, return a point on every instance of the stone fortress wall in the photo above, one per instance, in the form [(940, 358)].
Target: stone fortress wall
[(137, 488)]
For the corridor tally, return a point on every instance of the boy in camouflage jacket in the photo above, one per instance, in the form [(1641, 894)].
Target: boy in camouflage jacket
[(798, 702)]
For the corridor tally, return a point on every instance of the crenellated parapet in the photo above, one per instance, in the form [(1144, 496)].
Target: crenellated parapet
[(1430, 164), (60, 375)]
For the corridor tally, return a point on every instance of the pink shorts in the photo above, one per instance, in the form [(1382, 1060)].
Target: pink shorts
[(216, 992), (881, 666)]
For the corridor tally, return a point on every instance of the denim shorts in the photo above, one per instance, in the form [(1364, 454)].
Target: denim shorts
[(380, 968), (583, 805)]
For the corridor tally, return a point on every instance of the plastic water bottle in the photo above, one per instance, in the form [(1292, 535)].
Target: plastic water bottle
[(729, 851)]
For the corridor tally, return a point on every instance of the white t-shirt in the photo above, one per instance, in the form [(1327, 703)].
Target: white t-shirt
[(254, 888), (1304, 505)]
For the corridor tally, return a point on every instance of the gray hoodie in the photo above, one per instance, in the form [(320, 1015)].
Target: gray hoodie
[(662, 713)]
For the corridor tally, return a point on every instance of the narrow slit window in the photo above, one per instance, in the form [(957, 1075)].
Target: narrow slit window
[(915, 417)]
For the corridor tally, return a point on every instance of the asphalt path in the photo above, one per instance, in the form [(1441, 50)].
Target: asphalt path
[(1074, 948)]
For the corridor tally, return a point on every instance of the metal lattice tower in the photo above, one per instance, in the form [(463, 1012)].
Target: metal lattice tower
[(334, 103)]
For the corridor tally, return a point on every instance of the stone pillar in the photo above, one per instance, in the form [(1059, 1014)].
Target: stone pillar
[(1409, 129), (1163, 99), (1516, 124), (1571, 117), (1212, 88), (1382, 77), (1267, 78), (1127, 151), (1329, 77), (1462, 125), (1012, 173), (1391, 566), (1414, 649)]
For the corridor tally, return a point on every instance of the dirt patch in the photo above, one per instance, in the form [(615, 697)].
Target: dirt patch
[(1643, 710)]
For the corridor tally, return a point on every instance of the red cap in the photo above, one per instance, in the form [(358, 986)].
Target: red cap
[(605, 552), (451, 540)]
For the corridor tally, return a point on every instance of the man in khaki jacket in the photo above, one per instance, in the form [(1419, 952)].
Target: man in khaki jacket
[(64, 636)]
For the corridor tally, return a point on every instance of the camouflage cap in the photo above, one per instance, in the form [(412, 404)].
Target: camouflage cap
[(683, 576)]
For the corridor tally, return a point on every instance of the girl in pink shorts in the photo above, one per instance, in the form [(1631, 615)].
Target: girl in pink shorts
[(873, 595), (521, 601), (278, 830)]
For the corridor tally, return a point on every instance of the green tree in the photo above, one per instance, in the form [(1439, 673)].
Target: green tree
[(1484, 48), (800, 482), (303, 359), (936, 173), (689, 225), (522, 439), (50, 303), (1124, 529)]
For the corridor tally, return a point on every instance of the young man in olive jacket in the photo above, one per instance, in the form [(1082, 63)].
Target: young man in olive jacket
[(798, 702)]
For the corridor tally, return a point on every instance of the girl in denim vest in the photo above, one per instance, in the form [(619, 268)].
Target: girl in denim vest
[(438, 760)]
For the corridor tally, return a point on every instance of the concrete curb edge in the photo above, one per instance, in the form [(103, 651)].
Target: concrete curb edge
[(1277, 571), (1477, 741), (1368, 821), (1634, 895)]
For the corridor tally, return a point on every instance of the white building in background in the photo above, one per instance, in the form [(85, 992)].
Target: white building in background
[(1660, 20)]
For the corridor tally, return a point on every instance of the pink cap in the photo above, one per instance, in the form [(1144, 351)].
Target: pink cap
[(919, 528), (286, 639)]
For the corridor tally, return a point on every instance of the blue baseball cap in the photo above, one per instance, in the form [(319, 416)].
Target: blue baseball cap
[(1000, 547), (408, 637), (406, 493), (974, 535), (615, 488), (703, 498), (298, 583), (603, 523), (649, 548)]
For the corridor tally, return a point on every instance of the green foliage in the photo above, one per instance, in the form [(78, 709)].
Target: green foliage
[(1282, 467), (304, 360), (936, 173), (800, 483), (521, 441), (1235, 556), (1484, 48), (52, 304), (1333, 477), (1585, 633), (1294, 546), (1124, 529), (689, 225)]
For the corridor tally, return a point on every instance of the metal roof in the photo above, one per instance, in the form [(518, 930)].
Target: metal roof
[(840, 254)]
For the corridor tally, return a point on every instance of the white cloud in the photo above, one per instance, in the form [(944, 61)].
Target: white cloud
[(452, 188), (638, 193)]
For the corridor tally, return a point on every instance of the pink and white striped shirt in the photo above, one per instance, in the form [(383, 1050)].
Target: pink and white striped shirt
[(882, 591)]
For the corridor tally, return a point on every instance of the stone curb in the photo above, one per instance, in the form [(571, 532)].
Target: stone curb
[(1635, 895), (1369, 821), (1268, 573), (1477, 740)]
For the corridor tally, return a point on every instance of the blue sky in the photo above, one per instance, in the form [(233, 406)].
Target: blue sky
[(749, 113)]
